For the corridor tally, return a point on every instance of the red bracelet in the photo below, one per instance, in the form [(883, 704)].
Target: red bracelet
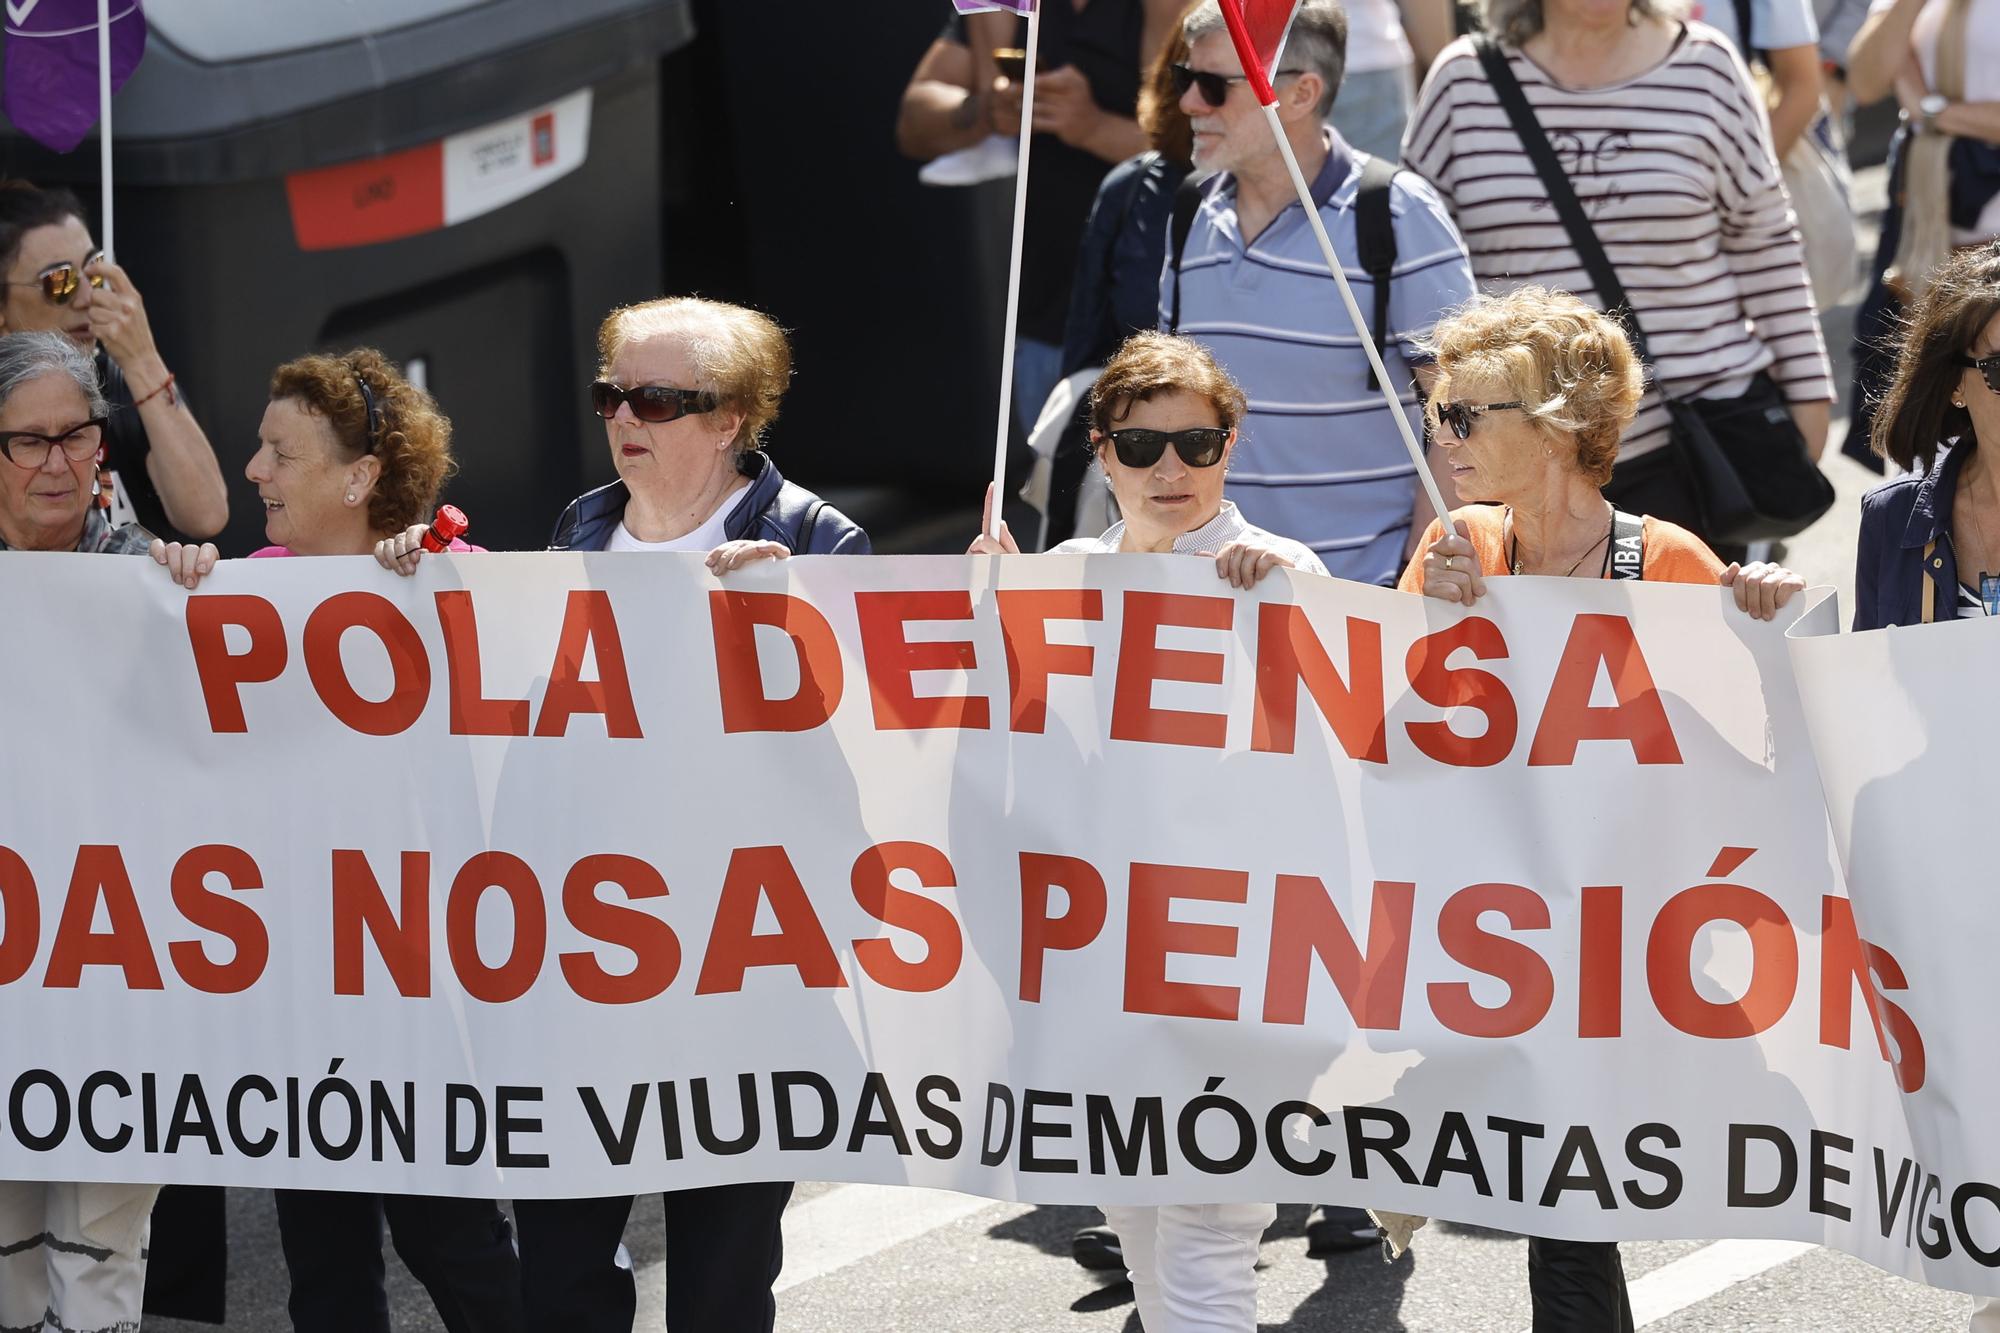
[(166, 385)]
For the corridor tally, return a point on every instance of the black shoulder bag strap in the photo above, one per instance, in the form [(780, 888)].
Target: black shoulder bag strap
[(1187, 203), (1562, 195), (1375, 242), (1628, 545)]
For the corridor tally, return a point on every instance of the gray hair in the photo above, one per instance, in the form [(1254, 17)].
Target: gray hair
[(1515, 21), (29, 356), (1317, 44)]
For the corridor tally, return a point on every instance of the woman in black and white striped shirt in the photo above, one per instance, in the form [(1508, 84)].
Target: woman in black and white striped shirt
[(1667, 147)]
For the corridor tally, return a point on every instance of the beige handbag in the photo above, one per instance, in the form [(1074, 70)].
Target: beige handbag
[(1925, 241), (1823, 201)]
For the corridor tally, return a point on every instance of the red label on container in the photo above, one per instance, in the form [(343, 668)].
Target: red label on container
[(377, 199)]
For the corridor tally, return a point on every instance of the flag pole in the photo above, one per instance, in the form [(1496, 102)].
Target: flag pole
[(1000, 434), (104, 123), (1253, 69)]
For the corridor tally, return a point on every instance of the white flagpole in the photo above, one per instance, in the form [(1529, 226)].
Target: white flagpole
[(1354, 313), (104, 122), (1013, 270)]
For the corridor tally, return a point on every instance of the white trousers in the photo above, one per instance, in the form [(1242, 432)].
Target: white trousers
[(73, 1255), (1193, 1266)]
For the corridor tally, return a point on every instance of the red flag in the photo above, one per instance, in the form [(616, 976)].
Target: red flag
[(1258, 28)]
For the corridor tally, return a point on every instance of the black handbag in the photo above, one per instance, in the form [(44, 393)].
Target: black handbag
[(1745, 465)]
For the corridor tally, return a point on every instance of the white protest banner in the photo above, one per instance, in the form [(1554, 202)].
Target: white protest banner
[(1056, 879), (1909, 749)]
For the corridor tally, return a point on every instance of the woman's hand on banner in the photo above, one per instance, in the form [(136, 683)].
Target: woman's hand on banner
[(1001, 544), (404, 551), (736, 554), (1245, 562), (1761, 588), (1451, 568), (186, 563)]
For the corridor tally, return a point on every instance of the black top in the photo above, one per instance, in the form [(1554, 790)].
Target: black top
[(1103, 41), (134, 499)]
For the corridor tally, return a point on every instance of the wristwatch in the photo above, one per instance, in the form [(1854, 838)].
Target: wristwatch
[(1928, 109)]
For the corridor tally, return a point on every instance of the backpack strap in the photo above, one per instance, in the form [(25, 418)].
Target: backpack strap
[(1187, 203), (1628, 545), (1375, 242)]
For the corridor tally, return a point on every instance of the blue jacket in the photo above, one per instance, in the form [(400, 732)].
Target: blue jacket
[(1897, 522), (776, 511)]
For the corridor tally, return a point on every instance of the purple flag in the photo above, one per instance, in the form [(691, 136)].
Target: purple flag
[(978, 6), (51, 89)]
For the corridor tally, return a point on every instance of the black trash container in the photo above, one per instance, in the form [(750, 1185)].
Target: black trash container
[(467, 184)]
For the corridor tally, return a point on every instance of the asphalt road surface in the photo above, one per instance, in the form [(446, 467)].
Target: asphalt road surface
[(876, 1260)]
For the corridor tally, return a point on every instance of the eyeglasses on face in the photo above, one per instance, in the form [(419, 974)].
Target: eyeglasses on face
[(60, 281), (1460, 416), (29, 449), (1214, 88), (1198, 446), (652, 403), (1988, 368)]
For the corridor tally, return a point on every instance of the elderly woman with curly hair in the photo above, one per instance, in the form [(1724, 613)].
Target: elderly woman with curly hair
[(1534, 390), (350, 452)]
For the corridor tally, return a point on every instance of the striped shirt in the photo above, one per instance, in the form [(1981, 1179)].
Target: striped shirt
[(1319, 458), (1675, 169)]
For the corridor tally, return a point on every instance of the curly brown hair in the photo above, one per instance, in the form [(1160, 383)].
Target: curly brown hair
[(1916, 415), (741, 356), (1570, 363), (408, 436), (1155, 363)]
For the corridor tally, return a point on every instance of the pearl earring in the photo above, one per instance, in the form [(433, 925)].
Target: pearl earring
[(350, 497)]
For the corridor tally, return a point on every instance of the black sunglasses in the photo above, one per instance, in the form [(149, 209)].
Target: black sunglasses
[(652, 403), (1460, 416), (1214, 87), (60, 281), (1198, 446), (1988, 368)]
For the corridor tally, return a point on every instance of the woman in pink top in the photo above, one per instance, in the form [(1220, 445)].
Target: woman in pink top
[(349, 453)]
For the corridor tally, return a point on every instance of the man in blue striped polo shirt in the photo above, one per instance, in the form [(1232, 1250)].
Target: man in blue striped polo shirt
[(1319, 458)]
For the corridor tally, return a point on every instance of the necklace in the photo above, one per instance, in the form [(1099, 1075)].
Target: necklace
[(1986, 550), (1514, 544)]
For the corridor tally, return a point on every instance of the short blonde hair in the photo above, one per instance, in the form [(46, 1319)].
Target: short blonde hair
[(1570, 364), (741, 357)]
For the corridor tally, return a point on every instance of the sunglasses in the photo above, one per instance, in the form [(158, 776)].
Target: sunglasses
[(651, 403), (1198, 446), (1460, 416), (30, 450), (1214, 87), (1988, 368), (60, 281)]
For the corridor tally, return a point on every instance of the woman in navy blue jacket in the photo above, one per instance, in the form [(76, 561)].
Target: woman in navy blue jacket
[(1930, 544), (686, 389)]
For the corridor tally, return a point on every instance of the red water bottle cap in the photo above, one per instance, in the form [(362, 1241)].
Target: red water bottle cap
[(449, 525)]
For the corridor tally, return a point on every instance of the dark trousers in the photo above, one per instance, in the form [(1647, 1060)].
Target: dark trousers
[(462, 1250), (724, 1249), (1578, 1286)]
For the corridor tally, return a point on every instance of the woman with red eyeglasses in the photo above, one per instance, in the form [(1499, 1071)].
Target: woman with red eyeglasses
[(159, 468)]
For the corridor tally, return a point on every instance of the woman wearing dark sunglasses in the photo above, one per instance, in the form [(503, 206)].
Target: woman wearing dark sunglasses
[(1930, 542), (160, 468), (1163, 420), (1534, 391)]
